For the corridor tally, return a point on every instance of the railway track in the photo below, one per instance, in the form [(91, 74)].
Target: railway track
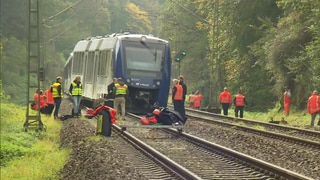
[(296, 135), (202, 159), (292, 153), (171, 143), (145, 162)]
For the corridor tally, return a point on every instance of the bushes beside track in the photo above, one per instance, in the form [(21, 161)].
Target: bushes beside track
[(29, 155)]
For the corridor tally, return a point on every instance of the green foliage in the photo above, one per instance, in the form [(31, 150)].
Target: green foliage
[(15, 23), (3, 96), (10, 151), (144, 23), (14, 75), (28, 155), (60, 29), (14, 142), (285, 50), (256, 46)]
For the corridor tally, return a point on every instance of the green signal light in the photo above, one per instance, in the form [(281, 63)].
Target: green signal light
[(177, 59), (180, 56)]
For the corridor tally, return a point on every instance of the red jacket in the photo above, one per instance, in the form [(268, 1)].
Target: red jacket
[(313, 103), (42, 101), (239, 100), (49, 97), (191, 98), (225, 97), (287, 97), (197, 100)]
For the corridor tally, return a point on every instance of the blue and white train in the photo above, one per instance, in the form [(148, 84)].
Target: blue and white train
[(142, 61)]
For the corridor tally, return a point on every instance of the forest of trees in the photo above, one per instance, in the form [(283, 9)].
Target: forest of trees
[(256, 46)]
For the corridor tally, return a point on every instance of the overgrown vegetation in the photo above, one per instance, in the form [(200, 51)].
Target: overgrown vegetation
[(258, 46), (28, 155)]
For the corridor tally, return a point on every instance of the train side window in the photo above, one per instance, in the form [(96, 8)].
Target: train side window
[(75, 62), (102, 63), (90, 66), (78, 62), (109, 63)]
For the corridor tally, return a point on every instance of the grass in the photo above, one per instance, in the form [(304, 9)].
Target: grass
[(298, 119), (43, 164), (29, 155)]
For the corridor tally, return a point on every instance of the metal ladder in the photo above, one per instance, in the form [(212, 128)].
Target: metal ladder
[(33, 119)]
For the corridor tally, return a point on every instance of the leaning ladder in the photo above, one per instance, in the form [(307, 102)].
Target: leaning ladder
[(33, 119)]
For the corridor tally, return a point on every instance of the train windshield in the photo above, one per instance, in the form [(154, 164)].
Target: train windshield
[(144, 59)]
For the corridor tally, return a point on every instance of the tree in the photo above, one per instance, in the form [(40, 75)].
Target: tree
[(287, 50)]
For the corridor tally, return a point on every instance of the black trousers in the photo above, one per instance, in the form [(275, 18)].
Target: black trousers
[(225, 107), (179, 106), (47, 110), (237, 109)]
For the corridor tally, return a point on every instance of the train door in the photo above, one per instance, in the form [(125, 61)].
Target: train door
[(104, 73), (67, 74), (95, 83), (89, 75), (84, 79)]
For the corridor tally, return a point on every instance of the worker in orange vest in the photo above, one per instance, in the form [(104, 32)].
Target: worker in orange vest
[(225, 99), (192, 96), (39, 100), (49, 101), (184, 88), (198, 100), (314, 106), (177, 97), (239, 102), (286, 101)]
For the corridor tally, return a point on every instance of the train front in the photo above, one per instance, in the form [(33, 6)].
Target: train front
[(144, 63)]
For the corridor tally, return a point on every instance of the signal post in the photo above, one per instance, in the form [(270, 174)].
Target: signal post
[(179, 57)]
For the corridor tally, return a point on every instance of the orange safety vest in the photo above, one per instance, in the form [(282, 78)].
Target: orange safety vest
[(178, 96), (240, 100), (192, 98), (286, 98), (49, 99), (197, 100), (225, 97), (42, 101), (313, 104)]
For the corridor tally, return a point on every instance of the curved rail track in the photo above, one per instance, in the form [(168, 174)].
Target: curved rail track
[(294, 134), (241, 169), (200, 159)]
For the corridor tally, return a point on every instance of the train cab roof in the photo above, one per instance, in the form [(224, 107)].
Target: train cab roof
[(94, 44), (142, 37), (82, 45), (109, 41)]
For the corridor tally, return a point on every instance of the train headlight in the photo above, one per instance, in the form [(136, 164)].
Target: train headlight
[(143, 39), (128, 80), (158, 83)]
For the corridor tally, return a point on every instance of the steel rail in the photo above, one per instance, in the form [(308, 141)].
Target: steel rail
[(251, 161), (175, 167), (254, 161), (263, 132)]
